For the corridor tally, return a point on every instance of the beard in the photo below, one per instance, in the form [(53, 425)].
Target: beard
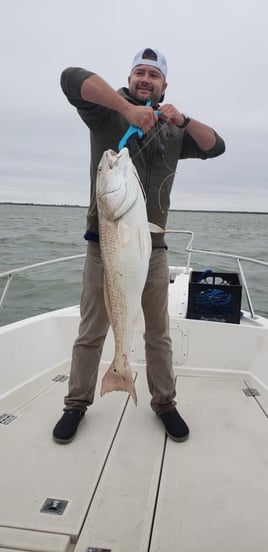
[(142, 94)]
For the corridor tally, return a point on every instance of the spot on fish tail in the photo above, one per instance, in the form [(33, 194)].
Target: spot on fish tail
[(114, 381)]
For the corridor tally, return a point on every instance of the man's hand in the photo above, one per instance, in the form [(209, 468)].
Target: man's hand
[(170, 114), (94, 89), (202, 134), (140, 116)]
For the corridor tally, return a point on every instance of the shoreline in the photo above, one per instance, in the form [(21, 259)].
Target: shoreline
[(32, 204)]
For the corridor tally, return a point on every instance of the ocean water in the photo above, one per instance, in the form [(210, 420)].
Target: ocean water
[(31, 233)]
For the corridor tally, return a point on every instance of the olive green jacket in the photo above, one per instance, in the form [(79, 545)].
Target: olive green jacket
[(160, 150)]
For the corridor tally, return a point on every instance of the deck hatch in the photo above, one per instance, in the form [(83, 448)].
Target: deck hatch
[(251, 392), (6, 419), (54, 506), (60, 378)]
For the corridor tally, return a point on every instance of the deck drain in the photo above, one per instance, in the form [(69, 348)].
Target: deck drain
[(60, 378), (90, 549), (251, 392), (6, 419), (54, 506)]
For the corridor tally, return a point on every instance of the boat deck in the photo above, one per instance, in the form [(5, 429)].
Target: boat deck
[(127, 487)]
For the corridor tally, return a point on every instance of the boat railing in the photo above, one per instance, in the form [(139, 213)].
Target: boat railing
[(239, 259), (9, 275)]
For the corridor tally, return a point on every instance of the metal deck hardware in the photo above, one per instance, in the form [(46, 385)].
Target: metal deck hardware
[(54, 506), (60, 378), (251, 392), (6, 419), (90, 549)]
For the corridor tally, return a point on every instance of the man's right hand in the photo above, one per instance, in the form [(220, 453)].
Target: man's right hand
[(140, 116), (94, 89)]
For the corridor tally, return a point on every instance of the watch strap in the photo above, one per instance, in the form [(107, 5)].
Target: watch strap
[(185, 122)]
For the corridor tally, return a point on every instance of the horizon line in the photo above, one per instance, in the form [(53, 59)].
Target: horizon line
[(69, 205)]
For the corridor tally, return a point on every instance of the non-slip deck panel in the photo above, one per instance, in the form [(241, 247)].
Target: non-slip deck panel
[(34, 467), (128, 488), (214, 488)]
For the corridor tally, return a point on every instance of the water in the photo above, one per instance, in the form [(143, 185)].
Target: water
[(31, 234)]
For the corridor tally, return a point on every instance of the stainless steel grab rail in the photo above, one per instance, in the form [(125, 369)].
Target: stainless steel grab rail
[(190, 250)]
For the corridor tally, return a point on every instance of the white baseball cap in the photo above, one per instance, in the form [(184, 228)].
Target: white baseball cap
[(150, 56)]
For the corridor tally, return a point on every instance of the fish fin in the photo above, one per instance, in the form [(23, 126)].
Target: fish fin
[(123, 231), (142, 241), (155, 228), (106, 300), (145, 242), (113, 380), (139, 324)]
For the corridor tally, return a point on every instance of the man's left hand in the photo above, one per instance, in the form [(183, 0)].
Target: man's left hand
[(170, 114)]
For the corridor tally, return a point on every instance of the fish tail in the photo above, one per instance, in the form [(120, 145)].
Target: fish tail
[(113, 380)]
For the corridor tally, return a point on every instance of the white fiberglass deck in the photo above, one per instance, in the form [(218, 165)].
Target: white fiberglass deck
[(128, 488)]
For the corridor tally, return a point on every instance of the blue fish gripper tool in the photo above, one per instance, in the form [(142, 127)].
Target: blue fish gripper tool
[(129, 139)]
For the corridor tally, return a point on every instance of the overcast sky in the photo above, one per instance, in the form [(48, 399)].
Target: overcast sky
[(217, 72)]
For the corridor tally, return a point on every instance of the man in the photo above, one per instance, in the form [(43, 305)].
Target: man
[(168, 137)]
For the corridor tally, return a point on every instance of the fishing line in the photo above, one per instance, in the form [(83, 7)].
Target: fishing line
[(162, 152), (148, 141), (142, 188)]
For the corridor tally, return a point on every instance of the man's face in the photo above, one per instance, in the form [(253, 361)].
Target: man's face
[(145, 82)]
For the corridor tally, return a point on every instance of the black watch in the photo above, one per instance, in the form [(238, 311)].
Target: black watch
[(185, 122)]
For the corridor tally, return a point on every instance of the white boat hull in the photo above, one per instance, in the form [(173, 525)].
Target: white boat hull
[(125, 486)]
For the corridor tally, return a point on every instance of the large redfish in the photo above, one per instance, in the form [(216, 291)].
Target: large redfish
[(125, 244)]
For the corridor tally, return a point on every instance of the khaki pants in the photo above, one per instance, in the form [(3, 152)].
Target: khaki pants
[(94, 326)]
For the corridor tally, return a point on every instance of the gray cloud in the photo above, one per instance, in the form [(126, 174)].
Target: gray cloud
[(217, 73)]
